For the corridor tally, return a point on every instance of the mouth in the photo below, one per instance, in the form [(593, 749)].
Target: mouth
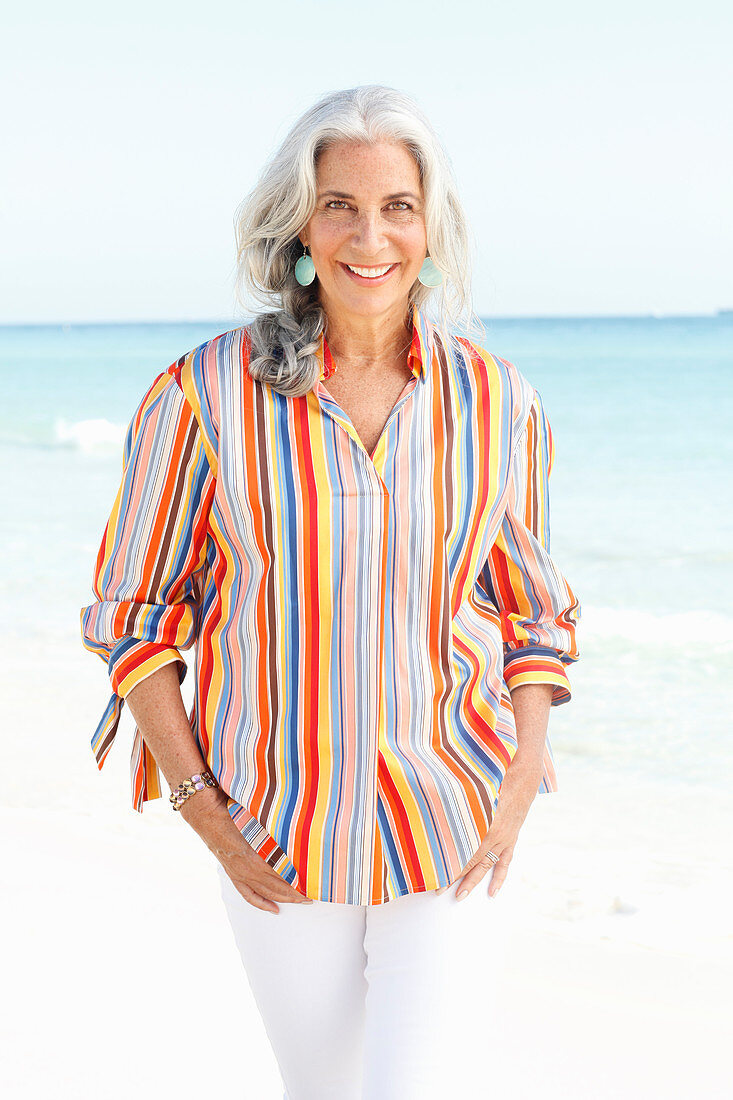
[(371, 276)]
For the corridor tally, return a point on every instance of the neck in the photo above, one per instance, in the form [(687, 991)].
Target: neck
[(368, 344)]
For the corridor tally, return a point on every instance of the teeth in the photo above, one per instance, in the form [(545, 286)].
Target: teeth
[(369, 272)]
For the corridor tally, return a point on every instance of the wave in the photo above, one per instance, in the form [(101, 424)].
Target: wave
[(674, 628), (89, 435), (93, 436)]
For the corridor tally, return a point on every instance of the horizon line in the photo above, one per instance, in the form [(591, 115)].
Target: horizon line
[(233, 322)]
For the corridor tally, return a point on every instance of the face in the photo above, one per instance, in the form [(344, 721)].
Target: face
[(368, 216)]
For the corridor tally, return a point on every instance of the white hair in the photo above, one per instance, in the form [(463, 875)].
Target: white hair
[(277, 209)]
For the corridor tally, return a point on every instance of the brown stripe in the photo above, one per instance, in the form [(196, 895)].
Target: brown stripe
[(445, 626), (276, 855), (163, 548), (108, 739), (181, 482)]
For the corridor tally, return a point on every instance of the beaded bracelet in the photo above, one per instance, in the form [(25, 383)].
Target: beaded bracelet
[(189, 787)]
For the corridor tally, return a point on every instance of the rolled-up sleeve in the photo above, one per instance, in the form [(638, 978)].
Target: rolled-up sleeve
[(149, 565), (539, 611)]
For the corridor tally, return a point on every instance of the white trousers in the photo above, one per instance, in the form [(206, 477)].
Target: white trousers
[(378, 1002)]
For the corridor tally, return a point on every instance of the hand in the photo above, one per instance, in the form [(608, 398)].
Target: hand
[(257, 882), (516, 795)]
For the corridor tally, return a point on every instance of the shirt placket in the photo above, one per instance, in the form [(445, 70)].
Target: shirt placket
[(375, 466)]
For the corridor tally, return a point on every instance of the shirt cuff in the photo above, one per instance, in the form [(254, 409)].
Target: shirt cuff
[(132, 661), (535, 664)]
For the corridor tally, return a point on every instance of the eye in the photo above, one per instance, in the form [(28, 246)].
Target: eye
[(402, 203), (332, 201)]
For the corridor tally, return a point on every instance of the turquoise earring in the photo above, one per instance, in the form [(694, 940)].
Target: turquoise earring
[(429, 274), (305, 269)]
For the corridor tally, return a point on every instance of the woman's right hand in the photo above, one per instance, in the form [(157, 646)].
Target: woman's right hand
[(207, 814), (157, 707)]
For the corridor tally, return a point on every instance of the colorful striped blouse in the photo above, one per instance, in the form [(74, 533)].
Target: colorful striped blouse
[(359, 619)]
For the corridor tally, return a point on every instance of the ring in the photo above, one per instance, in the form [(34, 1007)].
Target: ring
[(494, 859)]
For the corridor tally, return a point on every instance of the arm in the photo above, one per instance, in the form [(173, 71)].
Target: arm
[(539, 613), (150, 562), (538, 609), (147, 582), (531, 703), (158, 709)]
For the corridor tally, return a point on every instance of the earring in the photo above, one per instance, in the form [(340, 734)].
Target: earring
[(429, 274), (305, 269)]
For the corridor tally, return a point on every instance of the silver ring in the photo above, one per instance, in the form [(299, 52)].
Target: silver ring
[(494, 859)]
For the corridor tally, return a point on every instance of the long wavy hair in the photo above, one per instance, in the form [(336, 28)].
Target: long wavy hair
[(286, 334)]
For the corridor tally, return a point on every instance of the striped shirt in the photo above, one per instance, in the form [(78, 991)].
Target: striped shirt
[(359, 619)]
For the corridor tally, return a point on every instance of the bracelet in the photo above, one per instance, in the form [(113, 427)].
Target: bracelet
[(189, 787)]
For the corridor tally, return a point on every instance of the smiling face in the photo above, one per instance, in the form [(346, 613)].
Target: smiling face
[(368, 216)]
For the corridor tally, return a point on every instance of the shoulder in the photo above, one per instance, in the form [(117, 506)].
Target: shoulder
[(188, 391), (207, 372), (504, 384), (205, 365)]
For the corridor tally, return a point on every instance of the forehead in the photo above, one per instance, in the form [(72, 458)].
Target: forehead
[(349, 166)]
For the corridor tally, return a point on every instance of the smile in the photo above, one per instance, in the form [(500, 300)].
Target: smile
[(369, 274)]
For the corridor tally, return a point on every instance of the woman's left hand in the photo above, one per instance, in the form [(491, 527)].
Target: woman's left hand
[(516, 795)]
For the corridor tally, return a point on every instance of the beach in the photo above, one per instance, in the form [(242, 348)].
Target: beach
[(616, 978)]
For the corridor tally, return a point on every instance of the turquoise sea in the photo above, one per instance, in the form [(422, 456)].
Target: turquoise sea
[(641, 525)]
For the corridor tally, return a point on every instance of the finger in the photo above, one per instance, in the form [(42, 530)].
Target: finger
[(252, 888), (474, 876), (465, 885), (265, 879), (276, 893), (476, 860), (253, 870), (500, 873), (255, 899), (275, 887)]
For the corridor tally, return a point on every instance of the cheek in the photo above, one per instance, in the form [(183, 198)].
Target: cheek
[(327, 237), (414, 240)]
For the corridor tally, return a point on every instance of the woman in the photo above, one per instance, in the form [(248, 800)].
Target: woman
[(344, 504)]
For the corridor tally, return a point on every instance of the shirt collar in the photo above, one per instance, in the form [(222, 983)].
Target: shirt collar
[(419, 357)]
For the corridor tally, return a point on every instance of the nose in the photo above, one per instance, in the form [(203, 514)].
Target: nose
[(369, 234)]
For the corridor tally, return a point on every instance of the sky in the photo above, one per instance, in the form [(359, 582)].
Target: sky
[(591, 144)]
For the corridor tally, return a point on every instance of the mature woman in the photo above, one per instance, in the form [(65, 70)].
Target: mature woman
[(344, 505)]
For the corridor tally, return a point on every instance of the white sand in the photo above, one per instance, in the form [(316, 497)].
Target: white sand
[(121, 978)]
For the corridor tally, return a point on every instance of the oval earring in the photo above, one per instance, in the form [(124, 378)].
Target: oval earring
[(429, 274), (305, 269)]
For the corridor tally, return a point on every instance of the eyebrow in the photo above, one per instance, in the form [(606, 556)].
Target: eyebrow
[(343, 195)]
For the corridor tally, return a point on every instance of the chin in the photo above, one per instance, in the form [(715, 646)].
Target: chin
[(371, 304)]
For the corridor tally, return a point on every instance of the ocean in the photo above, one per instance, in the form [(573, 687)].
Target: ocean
[(634, 846)]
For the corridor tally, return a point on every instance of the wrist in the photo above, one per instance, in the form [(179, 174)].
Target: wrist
[(524, 775), (203, 805), (527, 760)]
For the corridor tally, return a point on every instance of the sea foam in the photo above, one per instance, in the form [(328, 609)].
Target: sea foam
[(672, 629), (89, 435)]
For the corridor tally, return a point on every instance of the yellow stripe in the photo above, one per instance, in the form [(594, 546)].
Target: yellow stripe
[(537, 677), (147, 668), (191, 395)]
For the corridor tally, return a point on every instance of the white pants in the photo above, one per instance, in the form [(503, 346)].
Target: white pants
[(378, 1002)]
